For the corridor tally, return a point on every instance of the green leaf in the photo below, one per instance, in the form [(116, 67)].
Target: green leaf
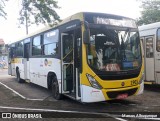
[(39, 12), (2, 12), (150, 12)]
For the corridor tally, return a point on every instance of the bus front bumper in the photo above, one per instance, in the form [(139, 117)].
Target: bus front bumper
[(90, 94)]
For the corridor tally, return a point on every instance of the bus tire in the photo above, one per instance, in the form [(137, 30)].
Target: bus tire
[(19, 78), (55, 89)]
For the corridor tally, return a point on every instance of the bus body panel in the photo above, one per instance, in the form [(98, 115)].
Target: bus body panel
[(150, 75), (9, 68), (9, 65), (40, 67), (152, 65), (90, 94), (26, 69), (157, 68), (13, 70), (141, 89), (19, 64), (12, 67)]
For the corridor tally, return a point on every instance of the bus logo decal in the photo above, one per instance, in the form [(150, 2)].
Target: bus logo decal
[(45, 62), (122, 83)]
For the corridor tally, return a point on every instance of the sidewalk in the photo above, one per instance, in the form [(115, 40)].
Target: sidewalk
[(4, 73)]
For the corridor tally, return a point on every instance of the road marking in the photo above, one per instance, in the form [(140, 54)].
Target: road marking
[(157, 119), (19, 93), (34, 109), (120, 119), (51, 110)]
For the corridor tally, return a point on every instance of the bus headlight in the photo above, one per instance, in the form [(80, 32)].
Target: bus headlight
[(142, 78), (93, 82)]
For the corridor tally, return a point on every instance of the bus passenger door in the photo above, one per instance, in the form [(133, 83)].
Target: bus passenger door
[(67, 61), (9, 67), (157, 58), (9, 62), (149, 58), (157, 67), (26, 61)]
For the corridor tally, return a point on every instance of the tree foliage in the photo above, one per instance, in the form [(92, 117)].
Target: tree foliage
[(39, 11), (150, 12), (35, 12), (2, 12)]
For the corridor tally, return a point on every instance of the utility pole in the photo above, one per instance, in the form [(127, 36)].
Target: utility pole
[(26, 15), (26, 22)]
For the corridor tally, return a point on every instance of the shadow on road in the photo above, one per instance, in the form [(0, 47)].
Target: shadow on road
[(154, 87)]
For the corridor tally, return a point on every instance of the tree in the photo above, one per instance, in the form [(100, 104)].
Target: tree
[(36, 12), (150, 12), (2, 13)]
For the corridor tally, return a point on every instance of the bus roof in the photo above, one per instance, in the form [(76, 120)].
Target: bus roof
[(149, 26), (73, 17), (78, 16), (88, 15)]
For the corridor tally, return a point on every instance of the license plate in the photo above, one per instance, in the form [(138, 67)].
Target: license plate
[(122, 96)]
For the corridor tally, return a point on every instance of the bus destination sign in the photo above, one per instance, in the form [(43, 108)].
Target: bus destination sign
[(116, 22), (108, 19)]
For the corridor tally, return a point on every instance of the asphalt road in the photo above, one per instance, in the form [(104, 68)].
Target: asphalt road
[(38, 99)]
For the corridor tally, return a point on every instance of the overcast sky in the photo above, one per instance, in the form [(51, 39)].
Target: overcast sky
[(10, 32)]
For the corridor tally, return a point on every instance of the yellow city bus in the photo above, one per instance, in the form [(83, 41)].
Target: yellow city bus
[(89, 57)]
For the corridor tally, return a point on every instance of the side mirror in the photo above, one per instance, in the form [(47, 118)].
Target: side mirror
[(86, 37)]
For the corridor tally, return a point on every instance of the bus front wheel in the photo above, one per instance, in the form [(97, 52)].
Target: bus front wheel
[(55, 89)]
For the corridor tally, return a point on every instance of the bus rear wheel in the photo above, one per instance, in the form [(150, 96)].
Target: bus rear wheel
[(19, 78), (55, 89)]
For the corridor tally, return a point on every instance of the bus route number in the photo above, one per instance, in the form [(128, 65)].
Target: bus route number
[(134, 82)]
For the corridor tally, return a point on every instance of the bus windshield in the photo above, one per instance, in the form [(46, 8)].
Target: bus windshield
[(114, 49)]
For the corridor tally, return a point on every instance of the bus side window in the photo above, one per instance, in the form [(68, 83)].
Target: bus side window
[(158, 41), (50, 42), (36, 46), (149, 47), (68, 48), (11, 52)]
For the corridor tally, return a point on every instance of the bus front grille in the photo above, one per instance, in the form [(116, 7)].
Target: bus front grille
[(115, 94)]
